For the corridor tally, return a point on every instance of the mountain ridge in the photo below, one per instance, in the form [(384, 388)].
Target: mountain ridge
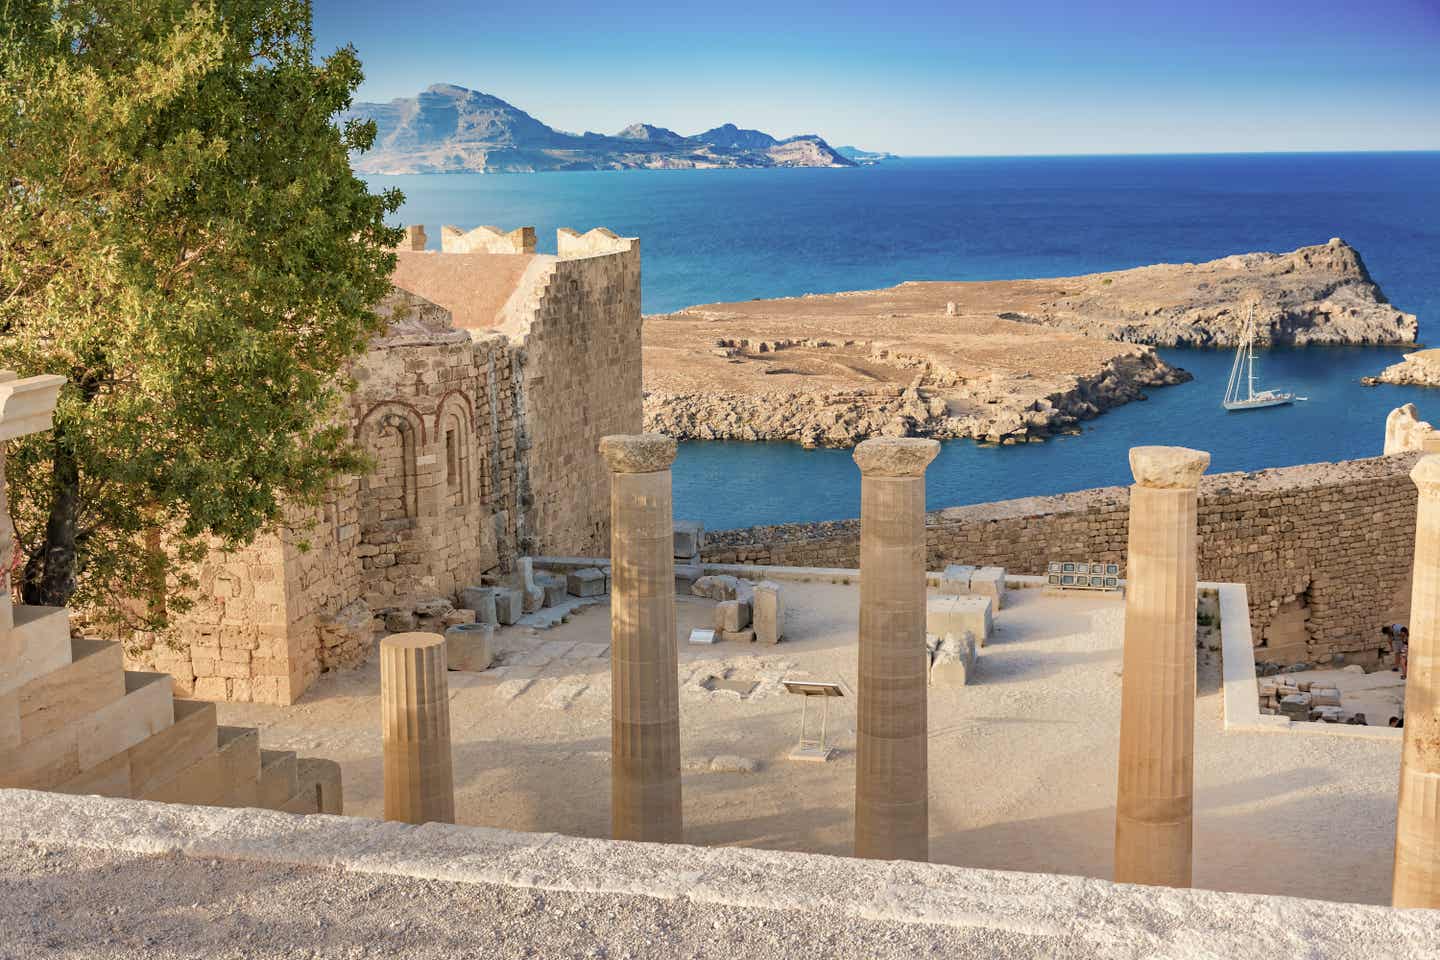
[(447, 128)]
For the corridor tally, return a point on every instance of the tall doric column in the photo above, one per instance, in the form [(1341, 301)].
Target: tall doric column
[(644, 681), (892, 808), (1155, 795), (415, 718), (1417, 823)]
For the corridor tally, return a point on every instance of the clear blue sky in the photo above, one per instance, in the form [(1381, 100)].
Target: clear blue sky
[(1007, 77)]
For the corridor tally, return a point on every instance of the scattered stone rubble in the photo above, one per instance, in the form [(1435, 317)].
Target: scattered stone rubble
[(1304, 701)]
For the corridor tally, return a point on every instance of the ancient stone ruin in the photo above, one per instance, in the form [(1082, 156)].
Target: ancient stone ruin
[(481, 405)]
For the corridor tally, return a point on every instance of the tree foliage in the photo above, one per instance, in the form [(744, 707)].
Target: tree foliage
[(181, 237)]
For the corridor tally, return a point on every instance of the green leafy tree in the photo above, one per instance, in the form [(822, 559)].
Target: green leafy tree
[(181, 237)]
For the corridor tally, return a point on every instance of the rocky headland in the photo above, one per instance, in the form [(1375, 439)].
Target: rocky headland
[(1314, 295), (1418, 369), (1011, 361), (449, 129)]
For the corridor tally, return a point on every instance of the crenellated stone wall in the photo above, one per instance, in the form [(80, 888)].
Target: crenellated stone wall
[(483, 439), (1323, 548)]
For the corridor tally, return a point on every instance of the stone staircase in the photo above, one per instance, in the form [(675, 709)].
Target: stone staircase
[(87, 725), (74, 720)]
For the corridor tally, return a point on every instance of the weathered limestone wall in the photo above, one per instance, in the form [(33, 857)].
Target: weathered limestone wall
[(1327, 544), (484, 446), (581, 381)]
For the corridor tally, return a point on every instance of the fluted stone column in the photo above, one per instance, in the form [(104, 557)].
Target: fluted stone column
[(644, 682), (892, 809), (415, 717), (1416, 881), (1155, 794)]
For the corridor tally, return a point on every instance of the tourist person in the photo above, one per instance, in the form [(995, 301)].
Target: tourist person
[(1397, 721), (1402, 651)]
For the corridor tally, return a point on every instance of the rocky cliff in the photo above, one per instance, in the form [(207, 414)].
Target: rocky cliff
[(1418, 369), (448, 129)]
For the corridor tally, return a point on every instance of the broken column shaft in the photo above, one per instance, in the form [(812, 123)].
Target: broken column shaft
[(644, 682), (892, 815), (415, 726), (1155, 791), (1416, 881)]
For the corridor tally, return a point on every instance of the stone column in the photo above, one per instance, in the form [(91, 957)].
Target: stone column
[(1416, 881), (415, 718), (644, 681), (1155, 792), (892, 807)]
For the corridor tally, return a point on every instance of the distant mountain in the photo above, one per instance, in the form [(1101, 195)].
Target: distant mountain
[(448, 129), (864, 156)]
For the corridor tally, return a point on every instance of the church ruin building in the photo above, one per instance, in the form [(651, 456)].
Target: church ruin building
[(481, 406)]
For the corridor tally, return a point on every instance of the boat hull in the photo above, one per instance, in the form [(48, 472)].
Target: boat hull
[(1236, 405)]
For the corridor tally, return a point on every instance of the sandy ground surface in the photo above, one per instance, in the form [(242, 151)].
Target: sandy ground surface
[(1022, 761)]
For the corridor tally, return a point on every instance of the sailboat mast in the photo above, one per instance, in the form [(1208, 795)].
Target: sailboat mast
[(1251, 349)]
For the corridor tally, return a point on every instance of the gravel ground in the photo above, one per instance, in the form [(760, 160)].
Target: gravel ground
[(66, 903)]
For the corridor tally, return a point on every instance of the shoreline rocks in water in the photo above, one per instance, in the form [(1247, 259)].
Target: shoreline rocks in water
[(1418, 369), (1007, 361)]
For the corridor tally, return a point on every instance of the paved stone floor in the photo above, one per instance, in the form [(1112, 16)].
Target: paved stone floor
[(1022, 761)]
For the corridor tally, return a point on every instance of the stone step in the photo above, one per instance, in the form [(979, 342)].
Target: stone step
[(318, 787), (79, 747), (240, 765), (94, 677), (157, 761), (278, 778), (39, 644)]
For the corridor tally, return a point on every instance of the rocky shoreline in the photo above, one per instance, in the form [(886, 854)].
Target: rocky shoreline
[(1011, 361), (1418, 369), (923, 408)]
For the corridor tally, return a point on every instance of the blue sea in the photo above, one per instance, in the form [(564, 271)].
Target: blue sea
[(710, 235)]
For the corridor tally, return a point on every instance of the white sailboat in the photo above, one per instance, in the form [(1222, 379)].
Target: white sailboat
[(1240, 392)]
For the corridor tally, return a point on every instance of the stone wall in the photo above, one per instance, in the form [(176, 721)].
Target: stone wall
[(484, 447), (1325, 549)]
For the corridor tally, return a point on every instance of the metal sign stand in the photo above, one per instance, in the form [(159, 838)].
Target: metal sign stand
[(813, 749)]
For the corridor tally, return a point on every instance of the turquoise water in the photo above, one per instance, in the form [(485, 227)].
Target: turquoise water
[(734, 234)]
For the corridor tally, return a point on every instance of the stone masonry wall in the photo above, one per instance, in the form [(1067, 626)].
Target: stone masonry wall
[(1330, 544), (484, 447)]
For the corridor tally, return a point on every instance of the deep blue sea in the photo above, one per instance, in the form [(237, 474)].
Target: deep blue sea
[(709, 235)]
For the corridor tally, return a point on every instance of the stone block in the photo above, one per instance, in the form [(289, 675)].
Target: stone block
[(509, 605), (108, 779), (686, 576), (953, 663), (158, 759), (482, 601), (198, 783), (468, 647), (320, 779), (732, 616), (455, 617), (40, 644), (239, 750), (1296, 706), (1324, 696), (989, 582), (955, 579), (957, 615), (769, 612), (689, 538), (534, 598), (554, 587), (399, 621), (94, 677), (716, 587), (738, 636), (147, 708), (278, 780), (588, 582)]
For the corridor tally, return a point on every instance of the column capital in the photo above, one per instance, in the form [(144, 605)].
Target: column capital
[(638, 453), (1427, 473), (895, 456), (1168, 467)]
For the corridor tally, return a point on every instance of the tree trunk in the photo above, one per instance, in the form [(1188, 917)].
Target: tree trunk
[(49, 578)]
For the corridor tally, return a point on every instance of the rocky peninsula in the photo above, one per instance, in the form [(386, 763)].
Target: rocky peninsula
[(1418, 369), (1008, 361)]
